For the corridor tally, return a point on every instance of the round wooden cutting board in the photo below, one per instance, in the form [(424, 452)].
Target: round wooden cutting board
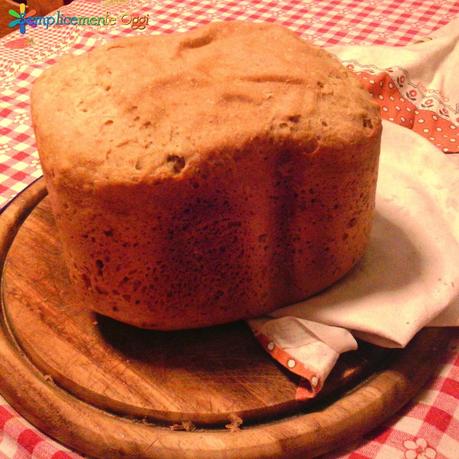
[(110, 390)]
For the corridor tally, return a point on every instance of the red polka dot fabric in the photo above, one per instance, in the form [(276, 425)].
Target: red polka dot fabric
[(310, 384), (397, 100)]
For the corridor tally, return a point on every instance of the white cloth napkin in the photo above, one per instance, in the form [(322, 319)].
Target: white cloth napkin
[(409, 276)]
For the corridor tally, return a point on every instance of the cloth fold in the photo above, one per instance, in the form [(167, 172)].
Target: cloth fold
[(409, 276), (306, 348)]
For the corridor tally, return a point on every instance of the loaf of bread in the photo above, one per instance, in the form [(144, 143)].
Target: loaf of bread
[(203, 177)]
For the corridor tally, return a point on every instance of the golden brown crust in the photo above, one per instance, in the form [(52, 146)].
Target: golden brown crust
[(256, 189), (136, 102)]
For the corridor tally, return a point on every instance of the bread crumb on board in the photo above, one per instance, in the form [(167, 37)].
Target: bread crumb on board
[(187, 426), (234, 424)]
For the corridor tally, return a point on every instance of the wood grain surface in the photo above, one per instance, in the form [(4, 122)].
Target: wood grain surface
[(204, 376), (68, 371)]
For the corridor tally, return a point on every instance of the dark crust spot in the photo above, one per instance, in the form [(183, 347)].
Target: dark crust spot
[(367, 123), (177, 161), (197, 42)]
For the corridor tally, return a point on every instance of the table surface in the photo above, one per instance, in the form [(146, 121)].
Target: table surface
[(426, 428)]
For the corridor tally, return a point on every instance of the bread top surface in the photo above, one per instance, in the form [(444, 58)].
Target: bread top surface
[(138, 109)]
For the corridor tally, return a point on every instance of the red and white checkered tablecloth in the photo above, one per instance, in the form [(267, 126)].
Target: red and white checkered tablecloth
[(429, 426)]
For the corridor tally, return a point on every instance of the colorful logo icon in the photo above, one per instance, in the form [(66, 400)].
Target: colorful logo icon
[(22, 18)]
